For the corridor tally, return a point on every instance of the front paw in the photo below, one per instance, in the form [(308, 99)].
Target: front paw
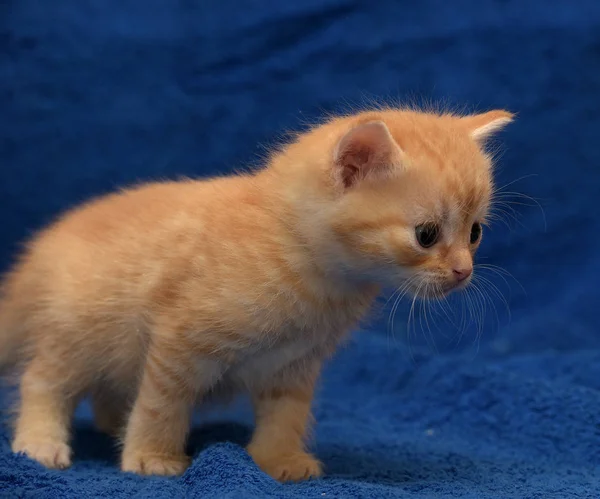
[(52, 454), (155, 464), (290, 468)]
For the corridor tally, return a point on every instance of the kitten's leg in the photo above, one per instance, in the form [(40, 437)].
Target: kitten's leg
[(277, 446), (110, 410), (159, 422), (47, 402)]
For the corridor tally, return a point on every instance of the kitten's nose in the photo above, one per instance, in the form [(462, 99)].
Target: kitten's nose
[(462, 273)]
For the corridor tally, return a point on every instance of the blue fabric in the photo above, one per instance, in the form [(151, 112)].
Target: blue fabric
[(96, 94)]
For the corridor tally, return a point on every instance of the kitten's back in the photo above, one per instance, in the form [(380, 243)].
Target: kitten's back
[(105, 257)]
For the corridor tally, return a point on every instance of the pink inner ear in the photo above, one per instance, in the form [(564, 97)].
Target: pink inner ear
[(366, 149), (350, 175), (355, 162)]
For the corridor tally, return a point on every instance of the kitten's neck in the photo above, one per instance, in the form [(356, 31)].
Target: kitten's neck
[(307, 245)]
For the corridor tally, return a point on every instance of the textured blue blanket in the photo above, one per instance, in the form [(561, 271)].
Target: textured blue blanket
[(96, 94)]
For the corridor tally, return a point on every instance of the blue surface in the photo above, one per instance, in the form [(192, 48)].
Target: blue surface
[(95, 94)]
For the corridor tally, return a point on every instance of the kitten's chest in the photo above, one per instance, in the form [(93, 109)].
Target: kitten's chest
[(309, 321), (277, 342), (260, 367)]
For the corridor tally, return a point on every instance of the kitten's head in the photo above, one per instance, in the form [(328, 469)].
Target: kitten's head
[(411, 192)]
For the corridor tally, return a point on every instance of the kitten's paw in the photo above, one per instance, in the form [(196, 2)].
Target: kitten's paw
[(55, 455), (292, 468), (155, 464)]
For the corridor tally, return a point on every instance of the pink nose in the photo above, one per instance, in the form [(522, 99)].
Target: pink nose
[(462, 273)]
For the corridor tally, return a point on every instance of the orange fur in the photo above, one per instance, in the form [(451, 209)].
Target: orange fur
[(155, 297)]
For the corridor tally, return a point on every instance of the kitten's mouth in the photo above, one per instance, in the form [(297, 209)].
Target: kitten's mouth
[(458, 286), (440, 291)]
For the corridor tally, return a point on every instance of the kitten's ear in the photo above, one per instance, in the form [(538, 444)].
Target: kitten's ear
[(366, 150), (482, 126)]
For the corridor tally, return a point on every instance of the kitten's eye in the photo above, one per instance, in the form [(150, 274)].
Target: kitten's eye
[(427, 234), (475, 232)]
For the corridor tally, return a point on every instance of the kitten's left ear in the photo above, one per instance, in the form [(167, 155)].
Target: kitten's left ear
[(482, 126), (367, 150)]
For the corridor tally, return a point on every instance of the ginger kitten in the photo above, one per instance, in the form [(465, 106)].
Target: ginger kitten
[(155, 297)]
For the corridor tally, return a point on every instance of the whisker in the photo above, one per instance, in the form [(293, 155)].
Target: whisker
[(509, 211), (494, 289), (401, 292), (441, 301), (529, 175), (487, 299), (410, 317), (446, 308), (467, 315), (463, 318), (477, 311), (503, 216), (500, 195), (502, 273), (423, 309), (481, 302)]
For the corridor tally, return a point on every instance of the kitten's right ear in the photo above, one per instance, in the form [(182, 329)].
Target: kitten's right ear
[(484, 125), (367, 150)]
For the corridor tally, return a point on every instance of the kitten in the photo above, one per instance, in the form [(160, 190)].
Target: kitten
[(153, 298)]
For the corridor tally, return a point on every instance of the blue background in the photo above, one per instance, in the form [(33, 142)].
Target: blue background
[(96, 94)]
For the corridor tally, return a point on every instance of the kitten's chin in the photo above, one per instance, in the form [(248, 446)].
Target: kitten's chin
[(434, 294), (437, 291)]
